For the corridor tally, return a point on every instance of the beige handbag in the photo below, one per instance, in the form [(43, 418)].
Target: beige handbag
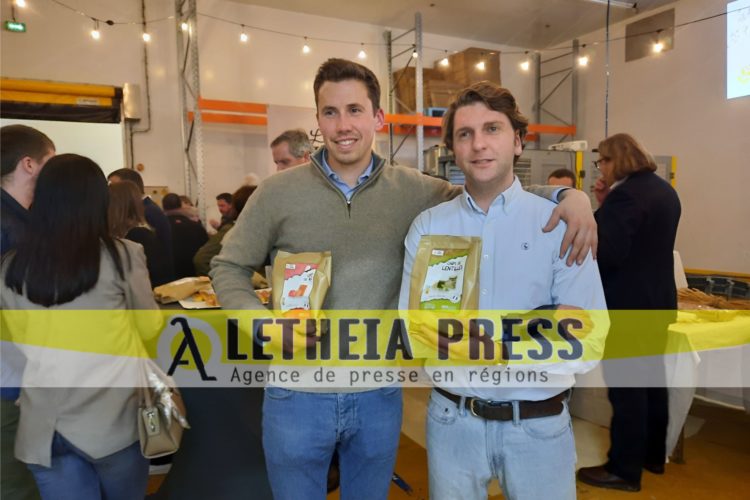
[(161, 412)]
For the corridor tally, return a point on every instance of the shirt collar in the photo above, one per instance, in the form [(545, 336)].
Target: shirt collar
[(504, 200), (330, 173)]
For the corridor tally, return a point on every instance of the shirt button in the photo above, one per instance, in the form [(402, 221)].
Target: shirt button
[(484, 291), (485, 256)]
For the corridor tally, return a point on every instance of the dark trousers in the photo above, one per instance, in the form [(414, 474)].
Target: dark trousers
[(638, 432)]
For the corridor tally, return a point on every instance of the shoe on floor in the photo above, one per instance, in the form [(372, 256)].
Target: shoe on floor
[(654, 468), (602, 478)]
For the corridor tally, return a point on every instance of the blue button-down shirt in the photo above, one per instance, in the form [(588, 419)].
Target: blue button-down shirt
[(520, 269), (345, 188)]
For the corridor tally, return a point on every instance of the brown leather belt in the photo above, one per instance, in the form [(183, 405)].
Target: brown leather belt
[(503, 410)]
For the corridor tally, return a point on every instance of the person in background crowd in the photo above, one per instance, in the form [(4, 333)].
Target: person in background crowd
[(187, 236), (290, 149), (562, 177), (25, 151), (126, 220), (79, 441), (637, 221), (154, 215), (224, 204), (202, 258), (189, 210), (347, 201)]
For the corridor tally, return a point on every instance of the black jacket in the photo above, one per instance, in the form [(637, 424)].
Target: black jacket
[(637, 229), (187, 237)]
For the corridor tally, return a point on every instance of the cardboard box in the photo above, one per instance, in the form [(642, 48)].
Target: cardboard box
[(440, 93), (463, 66), (406, 88)]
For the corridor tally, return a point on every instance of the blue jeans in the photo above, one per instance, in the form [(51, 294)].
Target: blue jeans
[(302, 429), (534, 459), (76, 476)]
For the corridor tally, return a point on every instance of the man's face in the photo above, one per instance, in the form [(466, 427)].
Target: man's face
[(284, 159), (485, 143), (224, 207), (348, 123), (560, 181)]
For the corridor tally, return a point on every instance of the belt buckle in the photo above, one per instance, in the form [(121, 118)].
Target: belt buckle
[(471, 407)]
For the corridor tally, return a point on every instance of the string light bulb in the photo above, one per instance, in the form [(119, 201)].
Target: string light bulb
[(444, 62), (658, 45), (184, 26), (414, 54), (305, 47), (526, 63), (95, 34), (583, 61), (243, 35), (481, 66), (146, 36), (362, 54), (21, 4)]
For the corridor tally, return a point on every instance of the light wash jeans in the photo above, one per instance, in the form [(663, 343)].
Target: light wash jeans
[(302, 429), (534, 459), (76, 476)]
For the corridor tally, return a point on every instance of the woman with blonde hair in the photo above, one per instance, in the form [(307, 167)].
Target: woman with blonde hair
[(637, 225), (126, 220)]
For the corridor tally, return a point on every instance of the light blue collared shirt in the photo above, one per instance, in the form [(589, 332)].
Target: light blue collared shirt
[(345, 188), (520, 269)]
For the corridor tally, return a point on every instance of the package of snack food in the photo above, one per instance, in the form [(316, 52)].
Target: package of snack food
[(300, 282), (445, 273)]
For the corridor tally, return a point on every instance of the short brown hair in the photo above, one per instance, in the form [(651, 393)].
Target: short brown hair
[(19, 141), (125, 208), (626, 154), (495, 98), (240, 197), (338, 70)]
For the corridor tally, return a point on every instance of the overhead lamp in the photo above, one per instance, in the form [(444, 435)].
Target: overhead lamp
[(146, 36), (583, 59), (243, 35), (305, 47), (184, 26), (444, 62), (658, 44), (95, 34), (20, 3), (362, 54), (481, 66), (414, 54), (615, 3)]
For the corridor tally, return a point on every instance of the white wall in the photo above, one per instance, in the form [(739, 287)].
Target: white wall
[(675, 104)]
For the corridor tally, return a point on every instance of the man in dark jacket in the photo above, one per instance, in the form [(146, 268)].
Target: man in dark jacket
[(187, 236), (25, 150)]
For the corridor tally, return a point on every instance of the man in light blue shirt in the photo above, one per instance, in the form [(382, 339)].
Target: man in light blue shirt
[(520, 434)]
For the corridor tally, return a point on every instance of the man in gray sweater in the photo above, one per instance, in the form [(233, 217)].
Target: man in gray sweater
[(349, 202)]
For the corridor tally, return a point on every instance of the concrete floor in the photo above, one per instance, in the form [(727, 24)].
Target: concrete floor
[(717, 454)]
